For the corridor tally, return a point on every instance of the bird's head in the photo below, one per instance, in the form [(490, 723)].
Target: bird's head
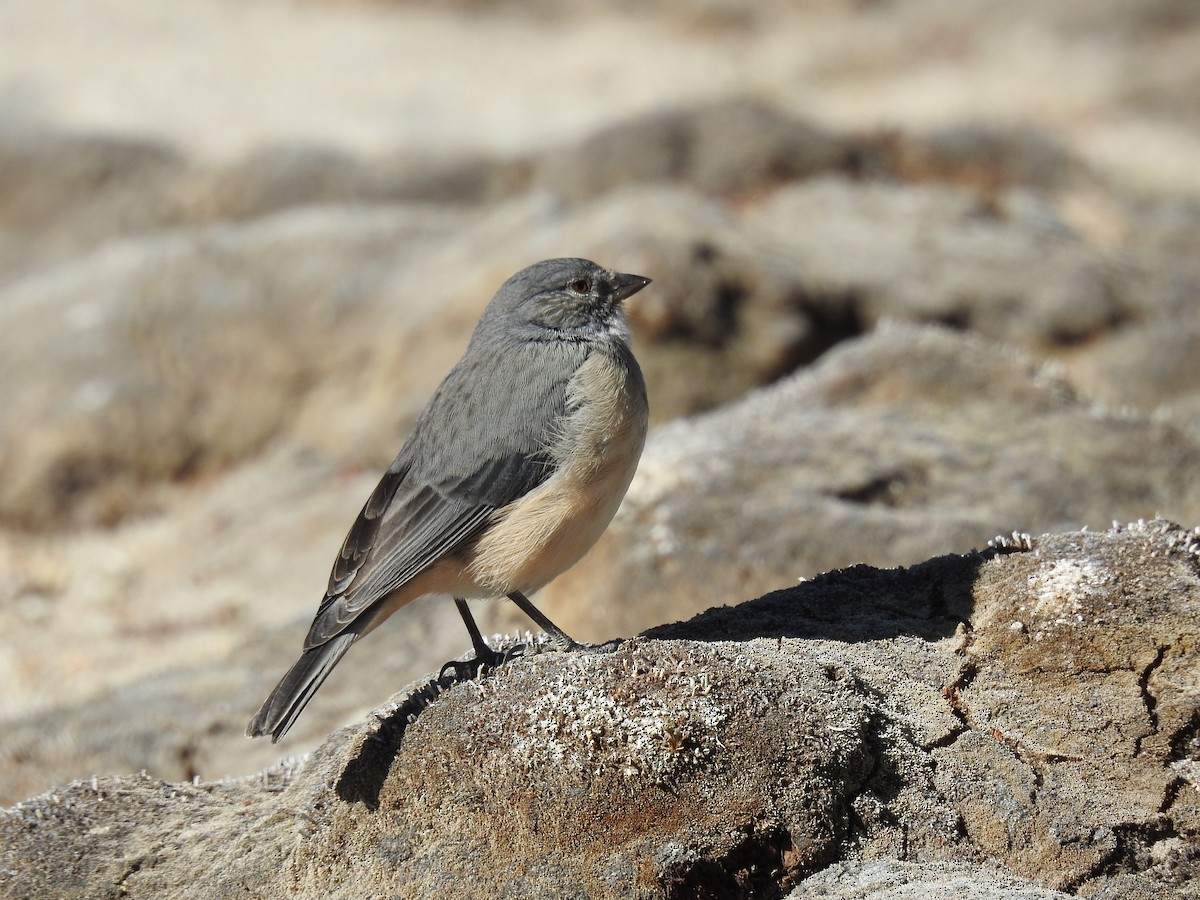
[(562, 299)]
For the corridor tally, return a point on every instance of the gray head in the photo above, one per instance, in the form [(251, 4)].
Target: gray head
[(560, 300)]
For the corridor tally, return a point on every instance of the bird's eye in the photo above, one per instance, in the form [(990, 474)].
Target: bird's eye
[(580, 286)]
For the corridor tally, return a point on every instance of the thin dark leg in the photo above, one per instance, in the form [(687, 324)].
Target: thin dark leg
[(485, 656), (539, 618), (483, 652)]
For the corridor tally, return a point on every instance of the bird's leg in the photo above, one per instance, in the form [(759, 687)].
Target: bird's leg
[(483, 652), (485, 656), (560, 637)]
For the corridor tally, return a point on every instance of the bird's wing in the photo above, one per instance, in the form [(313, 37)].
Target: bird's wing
[(393, 541), (442, 489)]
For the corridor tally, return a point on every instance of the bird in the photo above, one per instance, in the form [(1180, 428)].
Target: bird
[(509, 475)]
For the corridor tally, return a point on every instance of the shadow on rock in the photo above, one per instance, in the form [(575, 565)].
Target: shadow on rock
[(363, 776), (861, 603)]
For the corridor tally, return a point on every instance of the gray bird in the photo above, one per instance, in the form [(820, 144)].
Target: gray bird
[(512, 471)]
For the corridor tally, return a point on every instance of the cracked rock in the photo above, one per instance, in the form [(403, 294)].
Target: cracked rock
[(870, 733)]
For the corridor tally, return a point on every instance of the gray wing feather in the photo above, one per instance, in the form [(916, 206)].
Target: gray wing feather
[(480, 443), (437, 520)]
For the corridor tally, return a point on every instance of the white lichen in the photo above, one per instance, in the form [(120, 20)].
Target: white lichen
[(636, 717), (1061, 589)]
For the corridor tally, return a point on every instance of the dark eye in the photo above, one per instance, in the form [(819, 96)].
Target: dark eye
[(580, 286)]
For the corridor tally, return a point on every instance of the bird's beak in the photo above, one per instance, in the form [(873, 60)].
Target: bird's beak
[(628, 285)]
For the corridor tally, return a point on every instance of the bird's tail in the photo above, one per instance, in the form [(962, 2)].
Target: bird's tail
[(297, 687)]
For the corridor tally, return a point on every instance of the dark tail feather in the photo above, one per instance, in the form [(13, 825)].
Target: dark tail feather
[(297, 687)]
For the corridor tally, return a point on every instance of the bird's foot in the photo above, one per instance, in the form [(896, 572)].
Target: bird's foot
[(461, 670), (485, 660), (607, 647), (573, 646)]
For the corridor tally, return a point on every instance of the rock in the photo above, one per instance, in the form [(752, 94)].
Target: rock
[(219, 334), (334, 303), (288, 176), (1151, 362), (905, 441), (985, 156), (1151, 366), (62, 192), (887, 451), (1034, 705), (998, 267), (887, 879), (724, 147)]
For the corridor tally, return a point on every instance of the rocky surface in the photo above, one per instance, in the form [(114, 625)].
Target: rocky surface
[(923, 273), (889, 448), (1032, 707)]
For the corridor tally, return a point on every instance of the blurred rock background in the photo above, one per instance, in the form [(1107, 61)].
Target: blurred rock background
[(241, 242)]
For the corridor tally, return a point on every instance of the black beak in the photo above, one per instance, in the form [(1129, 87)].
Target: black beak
[(625, 286)]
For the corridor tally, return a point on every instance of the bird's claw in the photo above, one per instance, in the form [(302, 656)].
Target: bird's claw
[(480, 664)]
